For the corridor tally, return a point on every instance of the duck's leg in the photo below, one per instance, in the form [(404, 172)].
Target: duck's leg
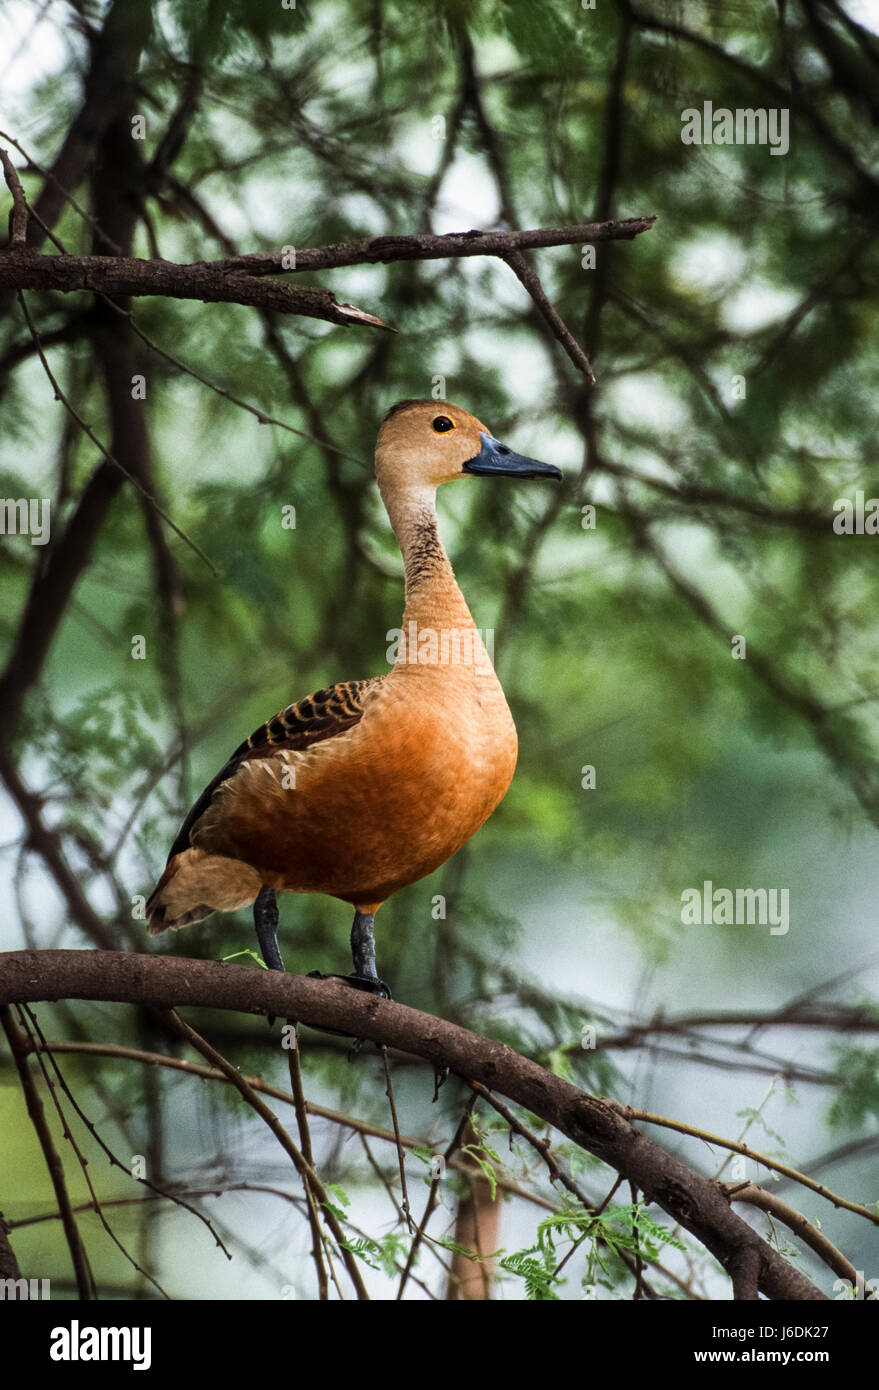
[(363, 951), (265, 919)]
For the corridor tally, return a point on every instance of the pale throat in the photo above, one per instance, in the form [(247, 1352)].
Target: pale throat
[(432, 592)]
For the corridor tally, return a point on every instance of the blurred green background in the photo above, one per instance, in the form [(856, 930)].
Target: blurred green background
[(735, 349)]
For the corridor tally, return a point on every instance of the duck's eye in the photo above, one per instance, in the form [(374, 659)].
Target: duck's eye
[(443, 423)]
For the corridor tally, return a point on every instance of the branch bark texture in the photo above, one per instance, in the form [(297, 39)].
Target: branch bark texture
[(598, 1125)]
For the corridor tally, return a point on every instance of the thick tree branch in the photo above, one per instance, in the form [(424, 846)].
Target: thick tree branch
[(695, 1202), (238, 280), (124, 276)]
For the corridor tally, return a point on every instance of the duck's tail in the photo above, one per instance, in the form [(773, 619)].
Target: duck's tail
[(195, 884)]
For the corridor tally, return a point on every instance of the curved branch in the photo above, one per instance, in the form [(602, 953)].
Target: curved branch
[(775, 1165), (801, 1226), (698, 1204)]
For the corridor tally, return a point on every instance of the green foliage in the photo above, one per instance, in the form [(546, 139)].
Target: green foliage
[(857, 1098), (603, 1236), (316, 125), (381, 1255), (482, 1154), (251, 954)]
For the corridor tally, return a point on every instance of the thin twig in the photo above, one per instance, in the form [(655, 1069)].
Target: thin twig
[(389, 1092), (382, 1177), (531, 280), (305, 1170), (307, 1154), (40, 1044), (260, 415), (336, 1117), (802, 1178), (60, 396), (18, 1047), (433, 1195), (31, 1025), (68, 197), (18, 233), (429, 246), (541, 1146)]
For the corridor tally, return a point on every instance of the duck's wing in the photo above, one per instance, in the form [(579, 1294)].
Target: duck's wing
[(324, 714)]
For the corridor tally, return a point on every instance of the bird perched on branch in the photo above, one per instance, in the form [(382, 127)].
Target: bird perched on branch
[(366, 786)]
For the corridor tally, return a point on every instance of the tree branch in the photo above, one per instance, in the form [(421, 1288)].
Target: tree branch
[(698, 1204), (237, 280), (774, 1164), (122, 276), (757, 1196), (430, 246)]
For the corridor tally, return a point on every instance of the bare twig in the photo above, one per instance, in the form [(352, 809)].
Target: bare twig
[(540, 1146), (531, 280), (308, 1155), (87, 429), (238, 281), (389, 1092), (429, 246), (433, 1196), (124, 276), (19, 1050), (40, 1045), (321, 1112), (737, 1147), (95, 1205), (18, 233), (304, 1169)]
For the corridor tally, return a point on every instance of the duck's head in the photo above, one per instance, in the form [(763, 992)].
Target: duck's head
[(425, 443)]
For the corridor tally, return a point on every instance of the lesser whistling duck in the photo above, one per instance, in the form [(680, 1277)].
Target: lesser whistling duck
[(366, 786)]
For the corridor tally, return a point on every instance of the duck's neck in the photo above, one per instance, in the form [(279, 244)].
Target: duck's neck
[(433, 598)]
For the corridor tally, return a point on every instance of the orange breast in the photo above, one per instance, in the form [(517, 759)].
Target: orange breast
[(380, 806)]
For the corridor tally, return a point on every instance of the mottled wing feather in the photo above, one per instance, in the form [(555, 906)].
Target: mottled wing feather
[(322, 715)]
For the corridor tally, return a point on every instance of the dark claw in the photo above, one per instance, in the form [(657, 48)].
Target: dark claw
[(370, 983)]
